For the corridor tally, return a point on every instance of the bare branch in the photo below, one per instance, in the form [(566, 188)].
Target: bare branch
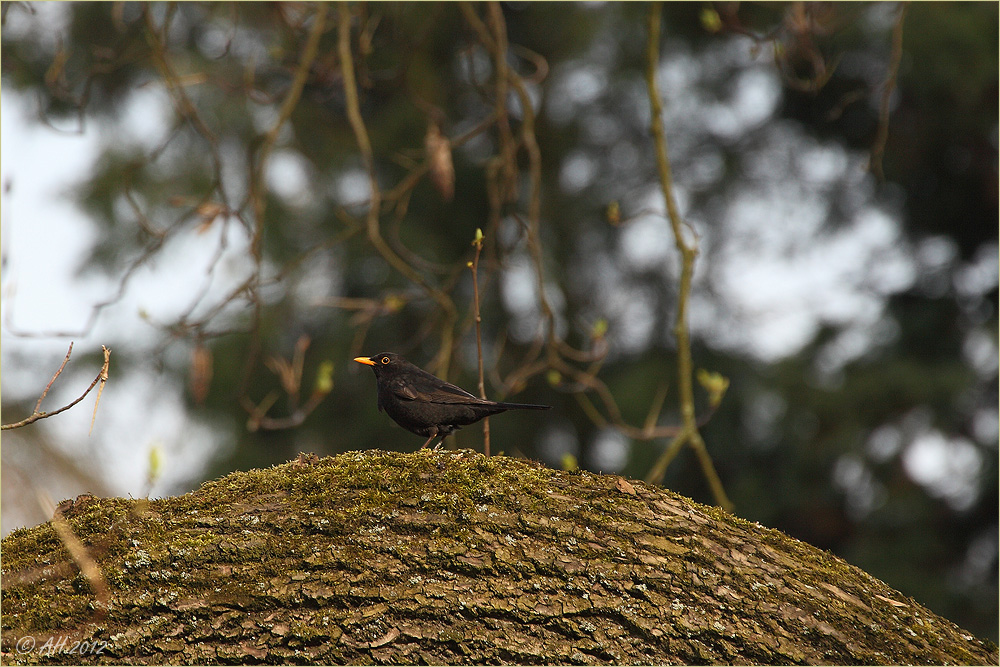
[(875, 162), (375, 201), (689, 252), (102, 377), (41, 398), (290, 375), (474, 267)]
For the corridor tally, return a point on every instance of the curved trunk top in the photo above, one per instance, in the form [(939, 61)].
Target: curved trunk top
[(444, 557)]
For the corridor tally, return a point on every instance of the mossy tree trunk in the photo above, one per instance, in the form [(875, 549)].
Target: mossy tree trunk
[(448, 557)]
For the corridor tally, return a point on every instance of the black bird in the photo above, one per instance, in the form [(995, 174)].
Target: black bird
[(427, 405)]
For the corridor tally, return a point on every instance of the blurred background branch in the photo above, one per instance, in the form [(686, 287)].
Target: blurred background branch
[(688, 250), (238, 196)]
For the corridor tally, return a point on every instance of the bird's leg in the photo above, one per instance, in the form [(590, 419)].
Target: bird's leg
[(441, 442), (433, 435)]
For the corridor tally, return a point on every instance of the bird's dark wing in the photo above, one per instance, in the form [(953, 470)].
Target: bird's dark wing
[(423, 387)]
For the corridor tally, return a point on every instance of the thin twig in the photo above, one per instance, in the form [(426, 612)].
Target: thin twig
[(79, 553), (187, 114), (290, 377), (878, 148), (557, 351), (534, 202), (41, 398), (256, 192), (309, 52), (375, 201), (508, 148), (474, 267), (102, 377), (689, 252)]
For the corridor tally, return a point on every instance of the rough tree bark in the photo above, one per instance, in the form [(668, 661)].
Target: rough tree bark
[(444, 558)]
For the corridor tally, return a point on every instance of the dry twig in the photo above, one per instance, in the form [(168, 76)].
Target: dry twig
[(37, 413)]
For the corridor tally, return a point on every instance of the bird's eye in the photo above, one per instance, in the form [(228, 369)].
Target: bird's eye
[(385, 360)]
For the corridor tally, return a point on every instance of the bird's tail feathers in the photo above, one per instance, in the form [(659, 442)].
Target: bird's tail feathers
[(523, 406)]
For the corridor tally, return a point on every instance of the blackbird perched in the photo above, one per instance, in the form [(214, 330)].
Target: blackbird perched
[(427, 405)]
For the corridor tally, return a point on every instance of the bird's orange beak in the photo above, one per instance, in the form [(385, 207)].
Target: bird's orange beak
[(364, 360)]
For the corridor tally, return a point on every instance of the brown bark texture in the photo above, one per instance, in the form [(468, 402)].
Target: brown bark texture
[(446, 558)]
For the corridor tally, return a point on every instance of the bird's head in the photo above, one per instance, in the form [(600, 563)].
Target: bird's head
[(384, 363)]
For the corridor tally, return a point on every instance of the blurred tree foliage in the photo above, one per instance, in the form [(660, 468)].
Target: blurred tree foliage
[(772, 111)]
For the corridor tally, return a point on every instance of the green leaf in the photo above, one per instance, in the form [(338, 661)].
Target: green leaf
[(714, 383), (324, 377), (710, 20)]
